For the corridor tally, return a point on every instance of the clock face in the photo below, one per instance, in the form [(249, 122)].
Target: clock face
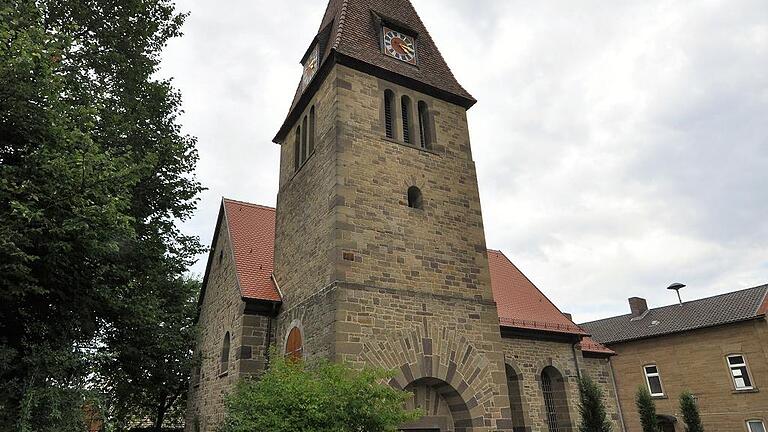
[(399, 46), (310, 67)]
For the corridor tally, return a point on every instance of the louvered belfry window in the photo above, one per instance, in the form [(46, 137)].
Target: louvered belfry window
[(424, 125), (389, 99), (311, 131), (406, 110)]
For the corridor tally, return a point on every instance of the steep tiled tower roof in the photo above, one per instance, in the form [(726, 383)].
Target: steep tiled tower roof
[(350, 34)]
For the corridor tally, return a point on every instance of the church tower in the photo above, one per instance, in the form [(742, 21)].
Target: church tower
[(380, 254)]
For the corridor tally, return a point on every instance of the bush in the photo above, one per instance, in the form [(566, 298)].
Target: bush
[(591, 407), (320, 397), (690, 412), (647, 410)]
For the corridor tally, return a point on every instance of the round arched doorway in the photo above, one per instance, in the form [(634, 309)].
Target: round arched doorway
[(294, 344), (443, 407)]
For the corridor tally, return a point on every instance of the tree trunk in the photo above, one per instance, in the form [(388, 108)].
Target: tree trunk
[(160, 417)]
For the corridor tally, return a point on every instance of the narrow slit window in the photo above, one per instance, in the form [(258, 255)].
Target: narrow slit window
[(424, 126), (304, 153), (739, 372), (389, 99), (653, 379), (406, 111), (224, 363), (311, 130), (297, 150), (415, 199)]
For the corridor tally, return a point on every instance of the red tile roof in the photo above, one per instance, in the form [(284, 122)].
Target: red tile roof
[(520, 303), (592, 346), (252, 233)]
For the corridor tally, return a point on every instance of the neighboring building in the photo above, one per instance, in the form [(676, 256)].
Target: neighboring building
[(376, 253), (715, 347)]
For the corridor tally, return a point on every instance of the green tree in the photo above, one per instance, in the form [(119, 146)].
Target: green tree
[(94, 176), (690, 411), (321, 397), (647, 410), (592, 408), (145, 366)]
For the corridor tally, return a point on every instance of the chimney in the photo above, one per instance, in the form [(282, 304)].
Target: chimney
[(568, 315), (638, 306)]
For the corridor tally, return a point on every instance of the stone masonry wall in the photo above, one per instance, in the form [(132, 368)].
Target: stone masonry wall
[(438, 249), (696, 361), (422, 335), (528, 358), (304, 202), (221, 312), (599, 369), (413, 284)]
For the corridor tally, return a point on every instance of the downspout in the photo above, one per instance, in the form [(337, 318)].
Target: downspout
[(616, 394), (269, 337), (272, 317), (576, 360)]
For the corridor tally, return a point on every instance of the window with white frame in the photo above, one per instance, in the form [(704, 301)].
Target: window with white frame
[(653, 379), (738, 365), (756, 426)]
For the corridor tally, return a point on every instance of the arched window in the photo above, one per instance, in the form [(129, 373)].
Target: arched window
[(311, 130), (515, 399), (297, 150), (555, 400), (415, 200), (224, 361), (389, 101), (425, 139), (294, 347), (405, 103), (304, 153)]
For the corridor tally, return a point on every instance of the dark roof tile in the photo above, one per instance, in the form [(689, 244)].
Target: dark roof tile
[(707, 312)]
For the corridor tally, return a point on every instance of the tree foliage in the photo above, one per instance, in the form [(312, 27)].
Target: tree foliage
[(146, 363), (647, 410), (94, 176), (592, 408), (321, 397), (690, 411)]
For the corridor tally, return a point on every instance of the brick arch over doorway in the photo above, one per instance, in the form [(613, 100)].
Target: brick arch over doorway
[(443, 407), (432, 353)]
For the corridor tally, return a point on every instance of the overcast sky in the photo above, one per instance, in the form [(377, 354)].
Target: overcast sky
[(620, 145)]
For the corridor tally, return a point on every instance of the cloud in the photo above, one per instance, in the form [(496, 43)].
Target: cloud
[(620, 146)]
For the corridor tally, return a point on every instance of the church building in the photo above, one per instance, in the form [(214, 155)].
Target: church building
[(376, 252)]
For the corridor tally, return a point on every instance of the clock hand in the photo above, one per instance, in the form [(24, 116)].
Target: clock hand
[(405, 47)]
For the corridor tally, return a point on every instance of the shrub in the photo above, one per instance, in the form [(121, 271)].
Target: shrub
[(323, 397), (647, 410), (591, 407), (690, 412)]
